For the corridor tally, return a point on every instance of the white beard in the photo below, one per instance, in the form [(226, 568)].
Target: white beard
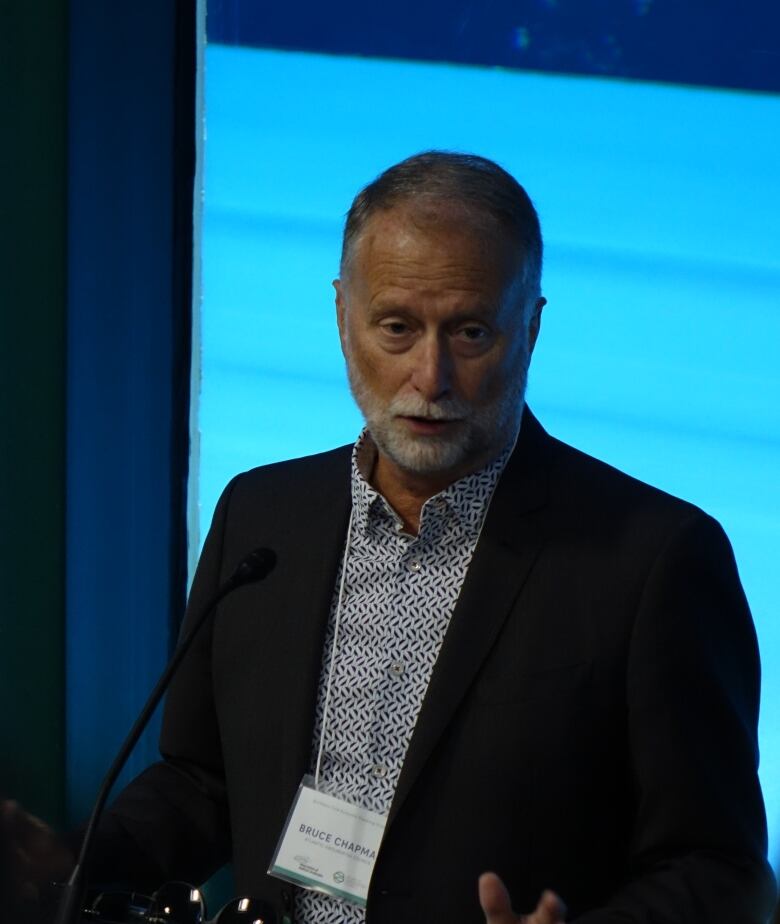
[(478, 433)]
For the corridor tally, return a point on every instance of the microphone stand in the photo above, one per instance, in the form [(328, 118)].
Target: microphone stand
[(254, 567)]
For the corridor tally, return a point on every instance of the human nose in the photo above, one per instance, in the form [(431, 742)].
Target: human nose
[(432, 371)]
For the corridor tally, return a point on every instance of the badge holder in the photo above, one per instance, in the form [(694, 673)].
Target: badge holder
[(328, 845)]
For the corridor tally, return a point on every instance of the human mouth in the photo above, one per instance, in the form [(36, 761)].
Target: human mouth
[(428, 426)]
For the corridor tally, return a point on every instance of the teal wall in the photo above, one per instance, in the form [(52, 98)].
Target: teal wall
[(97, 162), (33, 85), (130, 161)]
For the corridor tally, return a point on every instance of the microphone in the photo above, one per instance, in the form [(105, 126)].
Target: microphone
[(253, 567)]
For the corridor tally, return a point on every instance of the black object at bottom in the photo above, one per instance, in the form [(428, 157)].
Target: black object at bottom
[(173, 903)]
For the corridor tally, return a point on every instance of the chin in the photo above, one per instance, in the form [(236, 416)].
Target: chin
[(428, 455), (484, 432), (424, 456)]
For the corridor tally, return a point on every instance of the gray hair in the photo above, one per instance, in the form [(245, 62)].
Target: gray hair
[(475, 182)]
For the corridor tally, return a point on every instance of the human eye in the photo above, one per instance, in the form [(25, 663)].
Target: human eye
[(395, 332), (473, 336), (473, 333), (394, 327)]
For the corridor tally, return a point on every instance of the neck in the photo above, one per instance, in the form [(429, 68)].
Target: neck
[(405, 492)]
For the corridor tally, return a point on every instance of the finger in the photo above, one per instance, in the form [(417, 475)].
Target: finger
[(549, 910), (495, 901)]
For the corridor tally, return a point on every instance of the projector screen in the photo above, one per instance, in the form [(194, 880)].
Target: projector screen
[(659, 344)]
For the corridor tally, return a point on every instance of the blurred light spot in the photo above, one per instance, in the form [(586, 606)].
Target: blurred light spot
[(521, 38)]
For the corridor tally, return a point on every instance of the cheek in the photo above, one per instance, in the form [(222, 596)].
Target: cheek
[(482, 382), (381, 372), (511, 369)]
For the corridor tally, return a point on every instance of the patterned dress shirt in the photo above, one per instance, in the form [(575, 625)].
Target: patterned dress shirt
[(399, 594)]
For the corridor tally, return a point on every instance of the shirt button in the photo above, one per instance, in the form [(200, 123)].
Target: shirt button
[(379, 772), (414, 565), (396, 668)]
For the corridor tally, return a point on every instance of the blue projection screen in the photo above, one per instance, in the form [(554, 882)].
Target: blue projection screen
[(660, 342)]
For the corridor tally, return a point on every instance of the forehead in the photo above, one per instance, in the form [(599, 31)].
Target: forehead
[(434, 242)]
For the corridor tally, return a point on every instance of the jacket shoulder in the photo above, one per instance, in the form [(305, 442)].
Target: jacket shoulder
[(595, 484), (334, 463), (310, 483), (606, 507)]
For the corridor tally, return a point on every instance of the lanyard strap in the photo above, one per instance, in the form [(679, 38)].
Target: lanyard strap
[(332, 661)]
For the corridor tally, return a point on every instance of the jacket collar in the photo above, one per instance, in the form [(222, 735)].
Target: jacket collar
[(508, 547)]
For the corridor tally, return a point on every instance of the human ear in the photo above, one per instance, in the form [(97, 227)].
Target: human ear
[(535, 323), (338, 285)]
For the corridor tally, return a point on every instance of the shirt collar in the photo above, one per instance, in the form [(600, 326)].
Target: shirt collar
[(461, 498), (364, 497)]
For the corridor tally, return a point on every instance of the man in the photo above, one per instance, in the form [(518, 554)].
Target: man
[(540, 671)]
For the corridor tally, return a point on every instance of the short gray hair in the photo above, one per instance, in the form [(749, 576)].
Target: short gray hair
[(473, 181)]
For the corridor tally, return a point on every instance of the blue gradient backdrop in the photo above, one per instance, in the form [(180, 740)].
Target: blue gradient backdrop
[(660, 343)]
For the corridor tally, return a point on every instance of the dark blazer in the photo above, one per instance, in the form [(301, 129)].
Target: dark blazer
[(590, 725)]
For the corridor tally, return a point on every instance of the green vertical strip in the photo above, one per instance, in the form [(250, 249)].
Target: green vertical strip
[(33, 85)]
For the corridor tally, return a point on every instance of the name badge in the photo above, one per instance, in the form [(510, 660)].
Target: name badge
[(328, 845)]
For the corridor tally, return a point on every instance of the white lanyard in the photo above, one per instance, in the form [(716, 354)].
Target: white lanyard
[(329, 845), (332, 660)]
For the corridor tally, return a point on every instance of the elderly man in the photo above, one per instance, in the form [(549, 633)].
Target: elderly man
[(533, 675)]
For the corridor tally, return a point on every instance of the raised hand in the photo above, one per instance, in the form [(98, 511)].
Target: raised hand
[(497, 905)]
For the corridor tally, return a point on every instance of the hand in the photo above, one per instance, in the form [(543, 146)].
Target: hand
[(33, 857), (497, 905)]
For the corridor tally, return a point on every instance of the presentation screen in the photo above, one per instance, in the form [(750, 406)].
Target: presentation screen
[(660, 341)]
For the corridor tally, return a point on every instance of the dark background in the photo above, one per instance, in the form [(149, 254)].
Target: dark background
[(720, 43), (97, 105)]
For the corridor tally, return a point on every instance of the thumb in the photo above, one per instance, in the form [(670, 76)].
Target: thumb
[(495, 901)]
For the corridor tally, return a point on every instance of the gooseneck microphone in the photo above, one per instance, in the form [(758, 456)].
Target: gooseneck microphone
[(254, 567)]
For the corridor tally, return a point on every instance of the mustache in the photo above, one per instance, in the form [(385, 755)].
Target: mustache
[(415, 406)]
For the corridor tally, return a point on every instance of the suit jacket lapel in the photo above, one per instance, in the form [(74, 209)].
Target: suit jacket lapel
[(504, 556), (316, 548)]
